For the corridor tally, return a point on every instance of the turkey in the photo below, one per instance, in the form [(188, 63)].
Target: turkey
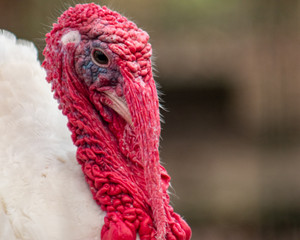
[(106, 181)]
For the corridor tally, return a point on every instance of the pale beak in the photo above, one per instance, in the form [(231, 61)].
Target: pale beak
[(119, 105)]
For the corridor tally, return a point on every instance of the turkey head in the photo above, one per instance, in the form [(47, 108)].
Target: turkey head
[(99, 65)]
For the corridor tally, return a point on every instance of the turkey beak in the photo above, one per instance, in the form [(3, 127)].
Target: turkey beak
[(119, 105)]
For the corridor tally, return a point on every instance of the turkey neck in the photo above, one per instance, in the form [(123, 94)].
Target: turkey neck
[(120, 161), (111, 157), (98, 142)]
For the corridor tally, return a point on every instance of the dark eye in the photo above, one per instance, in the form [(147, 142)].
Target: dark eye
[(100, 58)]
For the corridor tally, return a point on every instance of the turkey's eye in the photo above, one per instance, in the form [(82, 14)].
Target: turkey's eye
[(100, 58)]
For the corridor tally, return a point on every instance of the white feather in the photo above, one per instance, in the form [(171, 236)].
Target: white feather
[(43, 194)]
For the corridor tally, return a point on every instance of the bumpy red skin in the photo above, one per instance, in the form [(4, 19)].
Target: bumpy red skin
[(120, 162)]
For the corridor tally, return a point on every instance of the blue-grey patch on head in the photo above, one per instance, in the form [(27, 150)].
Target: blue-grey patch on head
[(99, 44), (92, 71)]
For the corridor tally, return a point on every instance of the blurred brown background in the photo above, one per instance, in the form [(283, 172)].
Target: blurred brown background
[(230, 75)]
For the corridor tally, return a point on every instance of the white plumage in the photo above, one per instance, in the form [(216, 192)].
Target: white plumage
[(43, 194)]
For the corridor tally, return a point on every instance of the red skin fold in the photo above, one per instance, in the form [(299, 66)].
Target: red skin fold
[(120, 160)]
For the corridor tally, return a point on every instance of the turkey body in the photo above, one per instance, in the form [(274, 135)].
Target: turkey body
[(43, 194)]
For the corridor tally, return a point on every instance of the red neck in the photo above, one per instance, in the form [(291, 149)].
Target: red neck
[(120, 163)]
